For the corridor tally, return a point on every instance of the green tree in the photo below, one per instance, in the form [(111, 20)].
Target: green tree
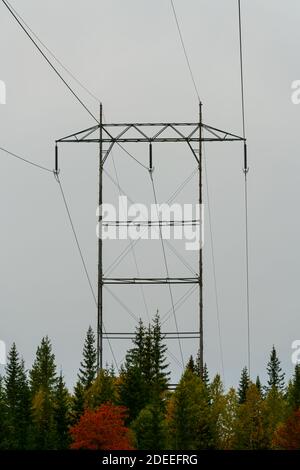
[(17, 401), (274, 413), (191, 364), (258, 384), (43, 373), (149, 428), (77, 402), (189, 415), (144, 377), (275, 374), (250, 432), (88, 365), (43, 384), (243, 385), (102, 390), (227, 421), (3, 417), (294, 390), (61, 414)]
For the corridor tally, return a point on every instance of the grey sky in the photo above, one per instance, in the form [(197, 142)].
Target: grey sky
[(128, 53)]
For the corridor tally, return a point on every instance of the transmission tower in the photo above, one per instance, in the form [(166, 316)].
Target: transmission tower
[(192, 134)]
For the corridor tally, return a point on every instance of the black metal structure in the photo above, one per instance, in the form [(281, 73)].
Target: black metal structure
[(192, 134)]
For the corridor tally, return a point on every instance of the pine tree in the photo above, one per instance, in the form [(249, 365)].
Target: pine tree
[(17, 400), (61, 414), (294, 390), (250, 431), (149, 428), (189, 415), (158, 357), (243, 385), (103, 390), (3, 417), (191, 365), (144, 376), (88, 366), (43, 383), (43, 372), (77, 402), (205, 376), (258, 384), (275, 374)]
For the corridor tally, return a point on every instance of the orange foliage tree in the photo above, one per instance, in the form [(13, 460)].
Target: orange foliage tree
[(102, 429), (287, 436)]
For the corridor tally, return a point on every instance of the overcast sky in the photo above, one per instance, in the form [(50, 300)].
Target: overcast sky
[(129, 54)]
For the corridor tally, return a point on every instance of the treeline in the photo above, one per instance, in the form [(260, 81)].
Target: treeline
[(133, 409)]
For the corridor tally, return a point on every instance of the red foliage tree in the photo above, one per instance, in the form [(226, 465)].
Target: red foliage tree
[(102, 429), (287, 436)]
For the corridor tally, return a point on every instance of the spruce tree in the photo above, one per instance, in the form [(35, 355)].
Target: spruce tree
[(17, 400), (189, 417), (275, 374), (144, 376), (205, 376), (103, 390), (191, 364), (61, 414), (243, 385), (295, 389), (43, 383), (43, 373), (77, 402), (3, 417), (88, 365), (158, 356), (258, 384)]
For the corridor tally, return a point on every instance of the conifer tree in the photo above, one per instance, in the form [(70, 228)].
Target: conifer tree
[(158, 356), (61, 414), (88, 365), (189, 415), (43, 383), (250, 431), (275, 374), (191, 364), (258, 384), (77, 402), (144, 377), (243, 385), (43, 373), (17, 400), (294, 389), (102, 390), (3, 417), (149, 428)]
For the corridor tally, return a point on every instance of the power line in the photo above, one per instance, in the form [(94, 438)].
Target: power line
[(68, 71), (25, 160), (185, 51), (47, 60), (246, 184)]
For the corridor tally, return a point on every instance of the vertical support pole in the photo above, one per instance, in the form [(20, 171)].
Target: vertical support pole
[(56, 159), (150, 157), (100, 266), (201, 346)]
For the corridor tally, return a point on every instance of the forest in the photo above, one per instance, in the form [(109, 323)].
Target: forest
[(133, 408)]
